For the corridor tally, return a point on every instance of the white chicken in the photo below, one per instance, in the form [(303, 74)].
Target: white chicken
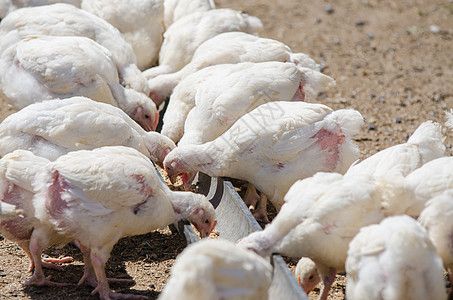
[(64, 19), (227, 273), (53, 128), (176, 9), (437, 218), (139, 21), (97, 197), (40, 68), (320, 216), (18, 172), (273, 146), (409, 195), (224, 93), (7, 6), (425, 144), (226, 48), (184, 36), (394, 260), (306, 274)]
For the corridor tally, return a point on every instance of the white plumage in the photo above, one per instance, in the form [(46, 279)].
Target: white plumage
[(226, 272), (97, 197), (18, 172), (394, 260), (320, 216), (184, 36), (425, 144), (55, 127), (139, 21), (176, 9), (7, 6), (275, 145), (40, 68), (221, 94), (64, 19), (226, 48), (306, 274), (437, 218), (409, 195)]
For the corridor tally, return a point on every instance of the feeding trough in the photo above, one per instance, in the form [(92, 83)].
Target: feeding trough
[(234, 221)]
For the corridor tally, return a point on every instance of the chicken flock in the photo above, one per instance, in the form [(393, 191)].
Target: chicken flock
[(92, 80)]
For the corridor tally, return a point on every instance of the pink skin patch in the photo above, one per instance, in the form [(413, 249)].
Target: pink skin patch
[(329, 142), (80, 83), (17, 226), (144, 188), (55, 205), (156, 98), (300, 94), (328, 228)]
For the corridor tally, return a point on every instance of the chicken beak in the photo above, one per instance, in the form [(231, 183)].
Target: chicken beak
[(187, 179), (206, 234), (156, 121), (185, 182), (147, 126)]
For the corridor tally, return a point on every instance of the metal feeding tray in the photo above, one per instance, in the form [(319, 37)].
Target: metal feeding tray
[(234, 221)]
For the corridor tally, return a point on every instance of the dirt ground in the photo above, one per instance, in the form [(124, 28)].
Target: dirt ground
[(392, 61)]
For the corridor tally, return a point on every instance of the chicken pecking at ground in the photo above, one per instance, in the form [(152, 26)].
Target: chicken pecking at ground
[(97, 197), (273, 146), (53, 128), (40, 68), (320, 216)]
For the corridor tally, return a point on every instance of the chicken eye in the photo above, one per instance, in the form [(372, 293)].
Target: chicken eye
[(146, 116), (311, 277), (206, 221)]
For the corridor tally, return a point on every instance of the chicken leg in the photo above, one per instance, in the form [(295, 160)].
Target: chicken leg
[(327, 280), (89, 276), (38, 278), (256, 203), (103, 288)]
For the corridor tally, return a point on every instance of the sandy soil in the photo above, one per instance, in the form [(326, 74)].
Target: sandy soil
[(392, 60)]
